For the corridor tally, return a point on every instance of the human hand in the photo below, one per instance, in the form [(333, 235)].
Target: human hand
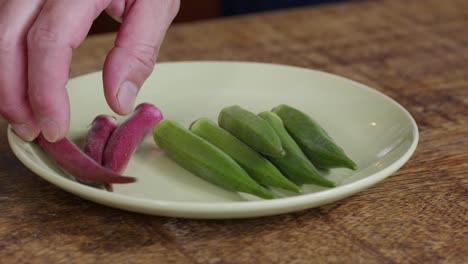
[(37, 38)]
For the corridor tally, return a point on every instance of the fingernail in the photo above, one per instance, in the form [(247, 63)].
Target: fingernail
[(24, 130), (50, 129), (126, 96)]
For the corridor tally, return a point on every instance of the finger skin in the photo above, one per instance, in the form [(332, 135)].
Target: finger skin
[(15, 19), (50, 42), (39, 71), (131, 61), (116, 9)]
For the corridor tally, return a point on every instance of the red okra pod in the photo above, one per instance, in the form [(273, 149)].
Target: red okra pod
[(126, 138), (96, 140), (75, 162), (100, 132)]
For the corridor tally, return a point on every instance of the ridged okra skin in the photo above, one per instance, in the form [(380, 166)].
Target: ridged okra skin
[(251, 129), (96, 140), (314, 141), (294, 164), (258, 167), (204, 159)]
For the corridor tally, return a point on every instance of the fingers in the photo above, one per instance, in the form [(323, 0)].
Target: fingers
[(50, 42), (116, 9), (15, 19), (132, 60), (35, 67)]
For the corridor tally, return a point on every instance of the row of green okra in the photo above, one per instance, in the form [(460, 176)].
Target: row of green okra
[(248, 153)]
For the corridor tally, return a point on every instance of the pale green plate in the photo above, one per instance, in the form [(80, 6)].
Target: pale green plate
[(375, 131)]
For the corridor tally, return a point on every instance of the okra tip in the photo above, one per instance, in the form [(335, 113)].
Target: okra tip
[(263, 193), (346, 162), (327, 183), (292, 187), (351, 164), (321, 181)]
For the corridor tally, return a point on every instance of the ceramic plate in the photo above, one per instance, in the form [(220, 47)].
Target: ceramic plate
[(375, 131)]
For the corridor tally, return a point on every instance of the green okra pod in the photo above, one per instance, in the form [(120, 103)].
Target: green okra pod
[(258, 167), (204, 159), (251, 129), (314, 141), (294, 164)]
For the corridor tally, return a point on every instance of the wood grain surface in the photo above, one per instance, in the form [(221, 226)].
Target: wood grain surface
[(414, 51)]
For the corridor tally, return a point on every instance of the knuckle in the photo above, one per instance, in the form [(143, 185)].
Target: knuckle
[(37, 96), (145, 60), (145, 56), (42, 38)]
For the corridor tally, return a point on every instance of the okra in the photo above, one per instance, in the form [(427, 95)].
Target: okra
[(314, 141), (72, 160), (204, 159), (251, 129), (127, 137), (96, 139), (259, 168), (98, 135), (294, 164)]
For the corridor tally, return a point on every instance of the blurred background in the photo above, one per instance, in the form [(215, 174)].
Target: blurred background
[(192, 10)]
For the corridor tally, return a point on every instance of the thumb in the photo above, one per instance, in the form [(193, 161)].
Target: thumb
[(131, 61)]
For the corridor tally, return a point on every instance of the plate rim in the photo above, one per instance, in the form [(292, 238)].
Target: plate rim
[(223, 210)]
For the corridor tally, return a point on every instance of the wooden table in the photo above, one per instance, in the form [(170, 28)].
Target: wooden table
[(414, 51)]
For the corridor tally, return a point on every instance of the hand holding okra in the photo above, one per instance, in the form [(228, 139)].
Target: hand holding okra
[(37, 39)]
